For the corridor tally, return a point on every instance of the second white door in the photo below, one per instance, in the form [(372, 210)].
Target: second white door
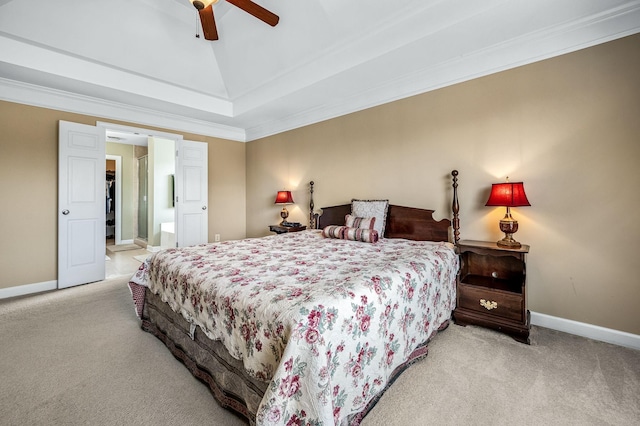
[(192, 204)]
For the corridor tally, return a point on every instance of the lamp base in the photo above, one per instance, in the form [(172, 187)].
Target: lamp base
[(508, 242), (284, 214), (509, 227)]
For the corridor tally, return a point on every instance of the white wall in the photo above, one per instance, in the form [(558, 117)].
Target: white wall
[(162, 166)]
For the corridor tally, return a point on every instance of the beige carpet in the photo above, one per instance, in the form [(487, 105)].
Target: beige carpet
[(123, 247), (78, 357)]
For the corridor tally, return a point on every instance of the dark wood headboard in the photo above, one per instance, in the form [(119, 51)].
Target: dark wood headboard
[(402, 222)]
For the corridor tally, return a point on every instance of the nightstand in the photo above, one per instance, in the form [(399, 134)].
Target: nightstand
[(279, 229), (491, 288)]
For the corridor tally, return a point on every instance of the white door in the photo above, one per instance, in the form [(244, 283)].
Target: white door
[(191, 181), (81, 204)]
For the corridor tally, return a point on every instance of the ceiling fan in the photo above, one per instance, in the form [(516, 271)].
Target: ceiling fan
[(205, 9)]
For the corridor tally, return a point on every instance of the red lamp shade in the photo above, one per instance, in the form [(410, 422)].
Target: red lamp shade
[(284, 197), (508, 194)]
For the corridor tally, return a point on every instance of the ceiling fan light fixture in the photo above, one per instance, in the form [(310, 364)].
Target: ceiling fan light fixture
[(201, 4), (207, 19)]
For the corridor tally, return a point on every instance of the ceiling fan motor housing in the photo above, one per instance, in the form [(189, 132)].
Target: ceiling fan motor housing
[(205, 9)]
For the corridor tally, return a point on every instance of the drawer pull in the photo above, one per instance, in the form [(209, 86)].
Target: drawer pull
[(488, 304)]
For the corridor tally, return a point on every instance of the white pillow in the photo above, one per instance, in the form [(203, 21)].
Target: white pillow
[(372, 208)]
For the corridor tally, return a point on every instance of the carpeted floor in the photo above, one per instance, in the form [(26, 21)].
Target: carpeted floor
[(78, 357)]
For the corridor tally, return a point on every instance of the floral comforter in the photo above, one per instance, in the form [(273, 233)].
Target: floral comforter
[(325, 321)]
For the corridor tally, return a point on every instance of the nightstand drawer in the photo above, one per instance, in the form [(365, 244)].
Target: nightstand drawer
[(491, 302)]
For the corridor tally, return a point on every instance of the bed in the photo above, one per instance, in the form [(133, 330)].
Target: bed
[(299, 328)]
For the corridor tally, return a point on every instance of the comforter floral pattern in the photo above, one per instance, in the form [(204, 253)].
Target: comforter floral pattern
[(325, 321)]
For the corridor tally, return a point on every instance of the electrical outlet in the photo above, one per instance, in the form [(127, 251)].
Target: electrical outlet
[(216, 238)]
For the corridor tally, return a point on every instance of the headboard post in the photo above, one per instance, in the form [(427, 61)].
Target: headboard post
[(455, 207), (312, 224)]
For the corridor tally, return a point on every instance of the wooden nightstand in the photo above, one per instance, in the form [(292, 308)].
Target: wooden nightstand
[(279, 229), (492, 288)]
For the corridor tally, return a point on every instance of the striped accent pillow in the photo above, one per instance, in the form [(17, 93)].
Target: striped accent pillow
[(353, 234), (352, 221), (361, 234), (333, 231)]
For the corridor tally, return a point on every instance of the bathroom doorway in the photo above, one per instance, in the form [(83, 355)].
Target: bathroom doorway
[(148, 169), (143, 198)]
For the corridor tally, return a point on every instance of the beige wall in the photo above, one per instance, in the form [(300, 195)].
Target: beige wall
[(227, 189), (29, 187), (569, 127)]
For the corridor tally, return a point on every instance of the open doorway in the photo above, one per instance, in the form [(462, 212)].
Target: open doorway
[(141, 228), (113, 195), (141, 195), (122, 254)]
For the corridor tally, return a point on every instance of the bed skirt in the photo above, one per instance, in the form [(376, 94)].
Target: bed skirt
[(225, 376)]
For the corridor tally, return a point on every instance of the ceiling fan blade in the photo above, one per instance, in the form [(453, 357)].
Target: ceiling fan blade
[(256, 10), (208, 23)]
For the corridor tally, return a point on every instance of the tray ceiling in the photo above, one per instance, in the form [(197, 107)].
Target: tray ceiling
[(139, 60)]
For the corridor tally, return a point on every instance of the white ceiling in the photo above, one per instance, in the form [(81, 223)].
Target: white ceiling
[(139, 60)]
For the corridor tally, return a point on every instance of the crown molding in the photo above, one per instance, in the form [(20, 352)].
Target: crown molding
[(526, 49), (34, 95), (58, 64)]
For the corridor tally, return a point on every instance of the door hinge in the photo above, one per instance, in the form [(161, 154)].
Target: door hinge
[(176, 198), (177, 152)]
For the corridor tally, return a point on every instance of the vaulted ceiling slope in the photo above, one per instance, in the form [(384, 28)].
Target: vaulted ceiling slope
[(139, 60)]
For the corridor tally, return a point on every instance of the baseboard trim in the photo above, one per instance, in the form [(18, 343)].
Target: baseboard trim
[(21, 290), (590, 331)]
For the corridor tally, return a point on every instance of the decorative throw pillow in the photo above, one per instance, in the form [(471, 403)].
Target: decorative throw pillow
[(353, 234), (352, 221), (372, 208), (333, 231), (361, 234)]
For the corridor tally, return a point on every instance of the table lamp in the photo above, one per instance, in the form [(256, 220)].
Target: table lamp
[(508, 194), (284, 198)]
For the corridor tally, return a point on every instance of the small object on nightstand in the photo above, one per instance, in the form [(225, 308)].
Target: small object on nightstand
[(291, 224), (491, 288), (279, 229), (508, 194)]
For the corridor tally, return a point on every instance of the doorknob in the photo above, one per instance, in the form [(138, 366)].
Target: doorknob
[(204, 207), (65, 212)]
